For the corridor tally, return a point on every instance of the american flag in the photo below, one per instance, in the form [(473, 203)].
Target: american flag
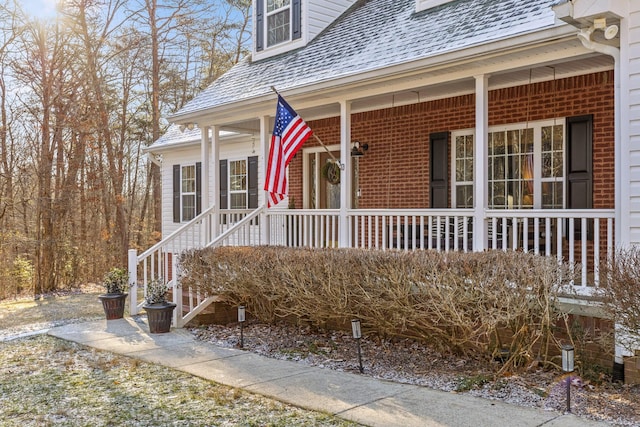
[(289, 133)]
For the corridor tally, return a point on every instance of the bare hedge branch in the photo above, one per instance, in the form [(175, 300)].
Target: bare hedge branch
[(468, 303)]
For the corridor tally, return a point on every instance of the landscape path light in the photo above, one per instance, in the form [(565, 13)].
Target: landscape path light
[(241, 319), (567, 366), (357, 334)]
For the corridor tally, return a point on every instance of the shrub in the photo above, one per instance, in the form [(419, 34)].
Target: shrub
[(462, 302), (156, 292), (116, 281), (620, 294)]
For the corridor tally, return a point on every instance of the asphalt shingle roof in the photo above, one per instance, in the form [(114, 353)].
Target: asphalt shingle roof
[(374, 34)]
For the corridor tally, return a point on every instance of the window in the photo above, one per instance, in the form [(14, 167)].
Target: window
[(464, 171), (552, 166), (187, 199), (511, 169), (278, 21), (188, 192), (526, 166), (238, 184)]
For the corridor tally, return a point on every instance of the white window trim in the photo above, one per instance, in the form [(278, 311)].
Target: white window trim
[(537, 155)]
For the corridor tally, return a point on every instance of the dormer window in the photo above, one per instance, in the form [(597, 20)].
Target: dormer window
[(277, 22)]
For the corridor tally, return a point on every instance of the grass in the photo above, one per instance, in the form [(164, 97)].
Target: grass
[(45, 381)]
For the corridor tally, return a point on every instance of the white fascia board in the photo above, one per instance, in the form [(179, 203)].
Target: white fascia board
[(428, 4), (600, 8)]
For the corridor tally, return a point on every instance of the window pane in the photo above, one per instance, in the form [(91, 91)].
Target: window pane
[(238, 201), (278, 27), (552, 195), (238, 175), (188, 207), (188, 179), (558, 138), (468, 170), (276, 4), (464, 196), (469, 146)]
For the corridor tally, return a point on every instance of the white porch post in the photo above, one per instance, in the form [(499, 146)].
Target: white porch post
[(205, 149), (132, 265), (480, 162), (215, 180), (265, 229), (345, 173)]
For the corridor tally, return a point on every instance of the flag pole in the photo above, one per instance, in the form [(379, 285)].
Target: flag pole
[(273, 88)]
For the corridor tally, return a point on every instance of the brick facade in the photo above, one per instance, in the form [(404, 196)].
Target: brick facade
[(394, 173)]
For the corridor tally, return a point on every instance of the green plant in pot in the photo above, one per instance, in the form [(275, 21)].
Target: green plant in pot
[(159, 310), (116, 284)]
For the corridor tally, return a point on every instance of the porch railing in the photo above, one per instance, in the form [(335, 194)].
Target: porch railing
[(439, 229), (304, 228), (580, 238), (160, 261)]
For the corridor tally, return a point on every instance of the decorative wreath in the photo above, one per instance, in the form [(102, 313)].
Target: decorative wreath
[(331, 172)]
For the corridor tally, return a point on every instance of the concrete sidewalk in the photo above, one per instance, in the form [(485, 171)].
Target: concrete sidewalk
[(349, 396)]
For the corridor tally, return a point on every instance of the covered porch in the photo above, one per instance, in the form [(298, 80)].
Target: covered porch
[(517, 150)]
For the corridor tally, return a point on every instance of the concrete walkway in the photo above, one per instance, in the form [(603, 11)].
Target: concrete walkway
[(350, 396)]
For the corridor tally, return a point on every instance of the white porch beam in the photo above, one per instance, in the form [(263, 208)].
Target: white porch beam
[(480, 162), (345, 171)]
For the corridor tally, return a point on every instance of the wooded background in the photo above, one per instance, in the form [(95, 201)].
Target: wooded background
[(81, 94)]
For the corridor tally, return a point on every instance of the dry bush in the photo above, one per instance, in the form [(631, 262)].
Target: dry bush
[(621, 293), (461, 302)]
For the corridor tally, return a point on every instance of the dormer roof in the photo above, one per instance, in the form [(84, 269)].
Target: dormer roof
[(373, 35)]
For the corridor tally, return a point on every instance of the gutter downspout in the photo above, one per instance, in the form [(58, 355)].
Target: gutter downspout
[(585, 37)]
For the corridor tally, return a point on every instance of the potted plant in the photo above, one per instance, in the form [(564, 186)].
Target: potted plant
[(116, 283), (159, 310)]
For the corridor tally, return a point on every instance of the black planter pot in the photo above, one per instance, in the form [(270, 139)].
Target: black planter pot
[(113, 305), (159, 316)]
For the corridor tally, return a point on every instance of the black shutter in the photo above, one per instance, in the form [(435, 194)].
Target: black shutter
[(296, 25), (253, 182), (198, 188), (580, 166), (176, 193), (438, 171), (259, 25), (224, 193)]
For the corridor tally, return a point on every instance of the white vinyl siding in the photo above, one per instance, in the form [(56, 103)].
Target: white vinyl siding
[(630, 156), (322, 13)]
